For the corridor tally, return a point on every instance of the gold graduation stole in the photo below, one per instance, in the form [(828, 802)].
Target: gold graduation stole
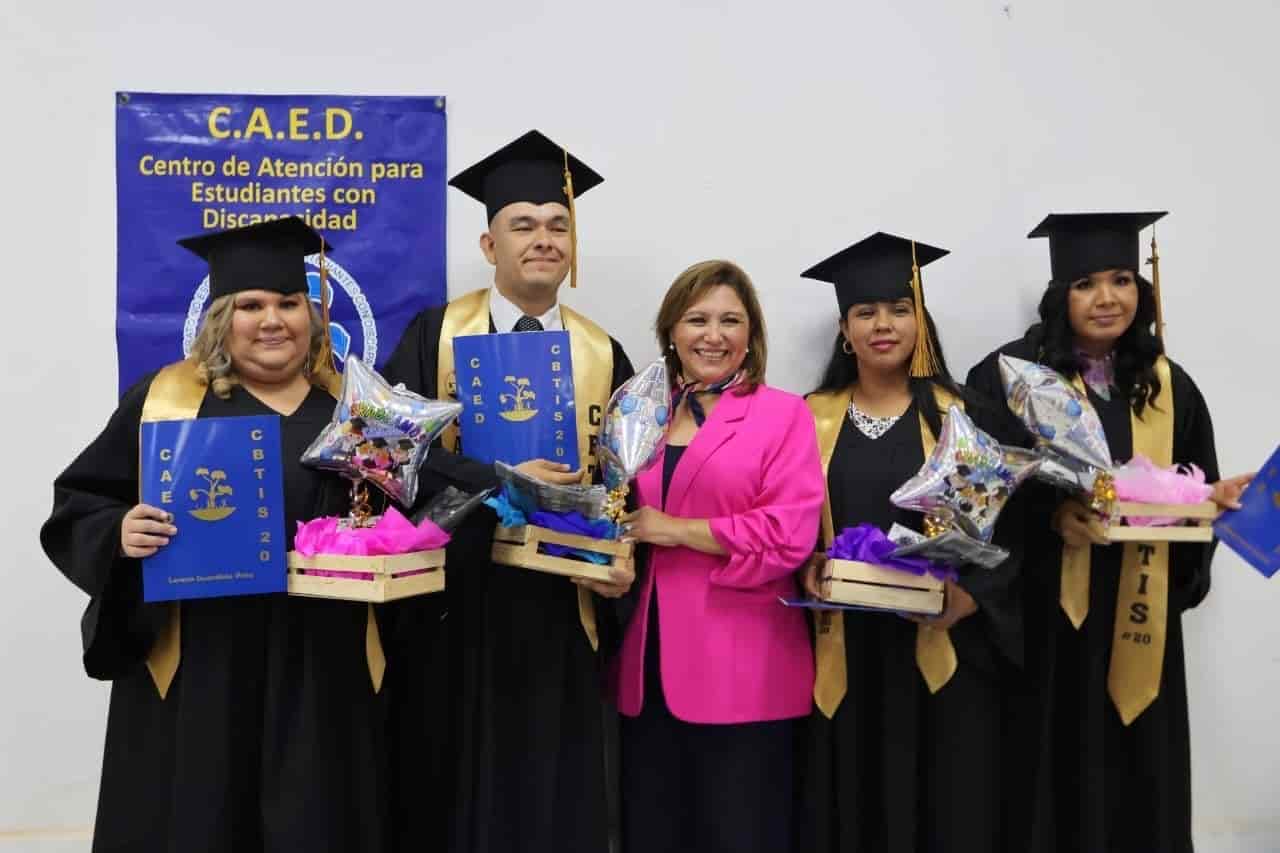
[(1142, 599), (175, 395), (592, 354), (935, 655)]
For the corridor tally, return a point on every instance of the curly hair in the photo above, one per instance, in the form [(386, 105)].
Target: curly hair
[(1135, 351), (214, 367)]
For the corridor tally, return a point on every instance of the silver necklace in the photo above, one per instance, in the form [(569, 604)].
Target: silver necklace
[(870, 425)]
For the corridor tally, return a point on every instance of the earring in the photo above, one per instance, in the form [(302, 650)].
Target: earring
[(671, 346), (847, 347)]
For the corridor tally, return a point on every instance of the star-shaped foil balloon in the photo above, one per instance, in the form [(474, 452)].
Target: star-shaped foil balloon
[(634, 431), (1059, 415), (968, 478), (379, 433)]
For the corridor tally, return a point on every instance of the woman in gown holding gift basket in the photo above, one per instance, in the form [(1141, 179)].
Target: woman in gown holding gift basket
[(903, 747), (1103, 742), (713, 671), (239, 724)]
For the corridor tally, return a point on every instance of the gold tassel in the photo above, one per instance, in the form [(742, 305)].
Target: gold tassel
[(924, 360), (1154, 263), (573, 223), (325, 360)]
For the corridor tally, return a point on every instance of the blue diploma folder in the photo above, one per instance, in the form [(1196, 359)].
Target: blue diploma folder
[(221, 479), (1253, 532), (516, 390)]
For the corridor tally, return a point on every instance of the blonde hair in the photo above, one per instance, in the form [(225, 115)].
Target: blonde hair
[(690, 286), (213, 363)]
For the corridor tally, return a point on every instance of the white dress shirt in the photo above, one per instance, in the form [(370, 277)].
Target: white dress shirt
[(506, 314)]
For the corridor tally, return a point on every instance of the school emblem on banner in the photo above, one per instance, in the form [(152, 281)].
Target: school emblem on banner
[(516, 391), (221, 479)]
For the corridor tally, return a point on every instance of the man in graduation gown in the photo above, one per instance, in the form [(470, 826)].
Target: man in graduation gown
[(239, 724), (1101, 771), (529, 724)]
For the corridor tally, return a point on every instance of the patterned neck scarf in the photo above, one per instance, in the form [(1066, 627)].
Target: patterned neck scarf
[(691, 390), (1099, 373)]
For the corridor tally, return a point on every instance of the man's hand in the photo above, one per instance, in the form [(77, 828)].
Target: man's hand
[(620, 580), (555, 473)]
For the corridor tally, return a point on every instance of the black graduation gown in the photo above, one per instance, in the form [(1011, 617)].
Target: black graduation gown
[(1087, 782), (527, 719), (271, 737), (898, 770)]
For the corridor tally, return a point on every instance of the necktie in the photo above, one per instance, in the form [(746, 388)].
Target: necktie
[(528, 324)]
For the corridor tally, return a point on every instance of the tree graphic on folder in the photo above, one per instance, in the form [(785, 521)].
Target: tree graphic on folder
[(520, 396), (218, 488)]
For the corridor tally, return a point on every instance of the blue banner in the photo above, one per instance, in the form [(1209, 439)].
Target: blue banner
[(221, 478), (368, 173), (1253, 531), (516, 391)]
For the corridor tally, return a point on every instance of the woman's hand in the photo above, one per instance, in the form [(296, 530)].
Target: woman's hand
[(958, 604), (653, 526), (145, 530), (1227, 493), (1077, 525), (811, 575)]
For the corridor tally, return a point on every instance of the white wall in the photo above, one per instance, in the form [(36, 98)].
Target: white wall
[(771, 134)]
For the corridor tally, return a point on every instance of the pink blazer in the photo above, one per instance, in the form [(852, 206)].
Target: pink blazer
[(730, 652)]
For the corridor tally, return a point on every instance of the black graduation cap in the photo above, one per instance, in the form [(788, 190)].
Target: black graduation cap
[(884, 268), (1084, 243), (532, 169), (876, 269), (264, 256)]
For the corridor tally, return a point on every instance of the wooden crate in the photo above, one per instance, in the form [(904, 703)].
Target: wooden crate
[(1196, 523), (867, 585), (388, 583), (518, 546)]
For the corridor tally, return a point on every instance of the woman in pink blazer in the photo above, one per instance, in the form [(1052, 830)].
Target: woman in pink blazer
[(712, 669)]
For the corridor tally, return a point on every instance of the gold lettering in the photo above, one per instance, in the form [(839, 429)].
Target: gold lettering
[(256, 435), (166, 454), (298, 122), (166, 497), (259, 454), (332, 115), (258, 124), (166, 476), (215, 115)]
